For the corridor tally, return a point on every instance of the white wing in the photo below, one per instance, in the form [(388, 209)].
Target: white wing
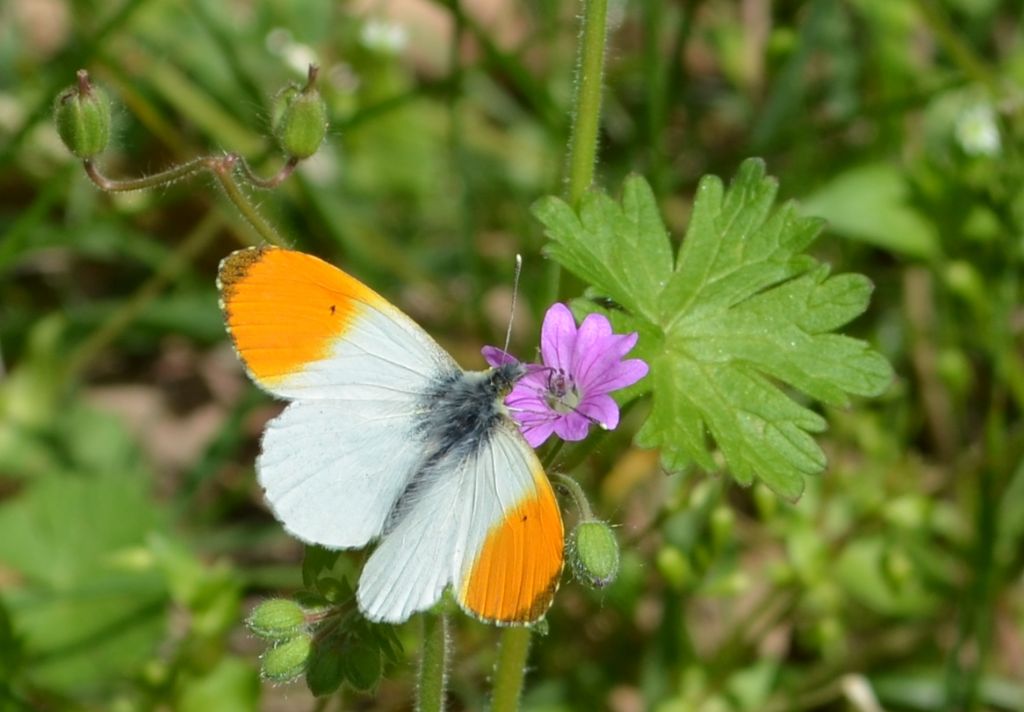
[(487, 522), (332, 470), (335, 461)]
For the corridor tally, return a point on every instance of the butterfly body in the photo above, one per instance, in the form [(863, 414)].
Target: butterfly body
[(386, 438)]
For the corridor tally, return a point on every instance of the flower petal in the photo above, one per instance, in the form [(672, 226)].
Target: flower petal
[(602, 356), (621, 374), (557, 337), (572, 426), (497, 357), (536, 434), (602, 409), (594, 333)]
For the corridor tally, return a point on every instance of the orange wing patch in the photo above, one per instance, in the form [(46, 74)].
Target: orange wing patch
[(515, 575), (284, 309)]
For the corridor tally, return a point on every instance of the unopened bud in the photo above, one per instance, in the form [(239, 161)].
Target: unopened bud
[(594, 553), (286, 661), (674, 567), (300, 118), (277, 619), (722, 524), (82, 115)]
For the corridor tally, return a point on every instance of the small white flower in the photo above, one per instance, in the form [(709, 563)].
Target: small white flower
[(383, 36), (977, 131), (296, 55), (299, 57)]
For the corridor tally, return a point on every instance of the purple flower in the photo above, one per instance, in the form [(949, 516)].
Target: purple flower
[(569, 391)]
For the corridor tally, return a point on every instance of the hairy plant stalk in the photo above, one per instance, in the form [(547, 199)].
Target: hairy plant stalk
[(222, 168), (508, 673), (586, 118), (433, 678), (586, 115)]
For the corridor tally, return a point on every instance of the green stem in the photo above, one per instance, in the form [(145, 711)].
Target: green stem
[(222, 168), (587, 102), (508, 674), (952, 41), (433, 663), (273, 181), (463, 182), (570, 485), (167, 177), (586, 117), (223, 172)]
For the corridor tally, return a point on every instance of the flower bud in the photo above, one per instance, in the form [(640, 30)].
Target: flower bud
[(594, 554), (286, 661), (674, 567), (300, 118), (277, 619), (722, 524), (82, 115)]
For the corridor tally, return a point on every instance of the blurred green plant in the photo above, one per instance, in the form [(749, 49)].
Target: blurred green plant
[(896, 578)]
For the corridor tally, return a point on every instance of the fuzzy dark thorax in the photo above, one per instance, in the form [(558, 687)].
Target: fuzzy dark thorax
[(460, 413), (461, 410)]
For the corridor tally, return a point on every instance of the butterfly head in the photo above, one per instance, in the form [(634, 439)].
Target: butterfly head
[(505, 376)]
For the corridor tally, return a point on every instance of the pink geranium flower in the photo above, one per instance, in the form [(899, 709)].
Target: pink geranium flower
[(568, 392)]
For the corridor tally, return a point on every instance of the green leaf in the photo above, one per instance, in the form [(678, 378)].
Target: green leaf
[(326, 666), (362, 666), (860, 570), (232, 686), (736, 319), (317, 561), (623, 251), (870, 203), (85, 617)]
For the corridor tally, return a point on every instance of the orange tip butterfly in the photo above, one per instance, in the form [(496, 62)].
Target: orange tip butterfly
[(386, 438)]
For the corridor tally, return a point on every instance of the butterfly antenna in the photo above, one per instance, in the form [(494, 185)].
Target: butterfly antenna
[(515, 294)]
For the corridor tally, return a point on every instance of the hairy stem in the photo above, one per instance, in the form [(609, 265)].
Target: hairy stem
[(586, 115), (508, 674), (267, 183), (223, 171), (587, 102), (570, 485), (222, 168), (167, 177), (433, 663)]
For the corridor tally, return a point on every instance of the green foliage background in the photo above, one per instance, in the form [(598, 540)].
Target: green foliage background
[(133, 540)]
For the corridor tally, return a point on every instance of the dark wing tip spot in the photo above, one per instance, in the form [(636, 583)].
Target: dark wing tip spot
[(235, 266)]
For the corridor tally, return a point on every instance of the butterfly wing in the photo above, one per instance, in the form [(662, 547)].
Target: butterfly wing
[(332, 470), (305, 329), (336, 460), (488, 524)]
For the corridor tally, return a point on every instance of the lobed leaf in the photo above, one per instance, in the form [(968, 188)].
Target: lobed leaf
[(622, 251), (740, 314)]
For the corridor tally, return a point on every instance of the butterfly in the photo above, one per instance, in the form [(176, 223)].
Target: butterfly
[(386, 438)]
